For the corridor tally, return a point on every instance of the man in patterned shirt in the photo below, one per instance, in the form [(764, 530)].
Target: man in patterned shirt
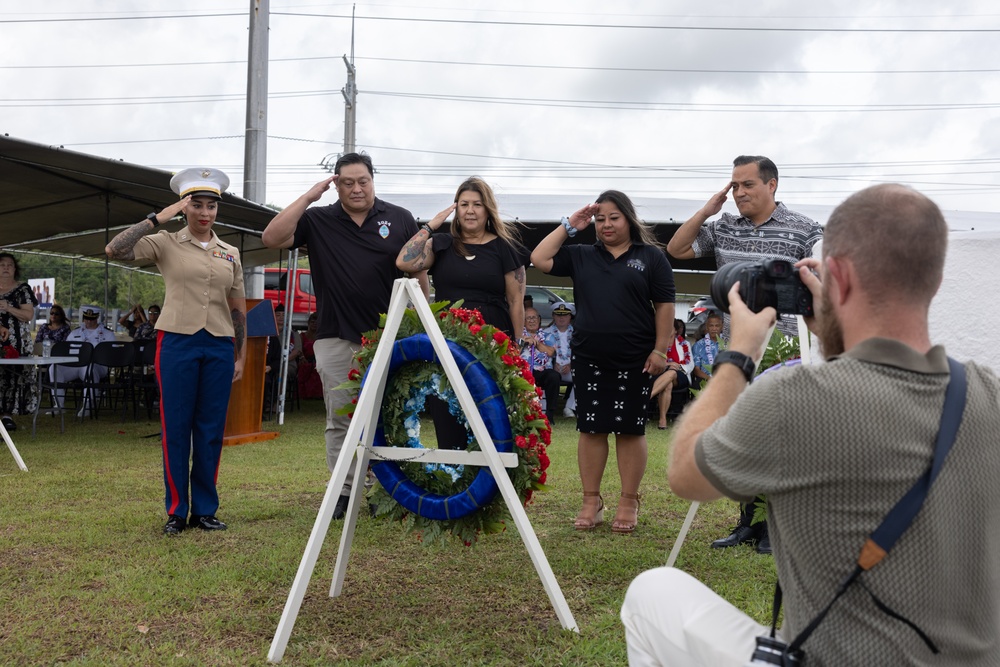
[(764, 229), (849, 440)]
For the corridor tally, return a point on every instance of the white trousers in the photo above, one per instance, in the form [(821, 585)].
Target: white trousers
[(63, 374), (673, 620)]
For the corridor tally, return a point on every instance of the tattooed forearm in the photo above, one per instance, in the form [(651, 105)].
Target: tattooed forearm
[(123, 245), (240, 329), (413, 251), (519, 276)]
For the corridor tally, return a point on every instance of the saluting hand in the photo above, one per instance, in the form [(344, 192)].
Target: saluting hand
[(316, 192), (580, 219), (714, 205), (438, 220), (170, 211)]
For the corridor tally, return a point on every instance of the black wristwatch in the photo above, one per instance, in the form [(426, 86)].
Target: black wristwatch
[(152, 218), (740, 360), (427, 226)]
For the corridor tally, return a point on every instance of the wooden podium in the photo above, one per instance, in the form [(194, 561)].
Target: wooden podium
[(246, 402)]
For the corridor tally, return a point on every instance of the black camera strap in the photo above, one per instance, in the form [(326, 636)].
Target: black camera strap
[(899, 517)]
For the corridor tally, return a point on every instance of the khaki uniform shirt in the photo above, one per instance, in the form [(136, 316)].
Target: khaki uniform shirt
[(199, 281)]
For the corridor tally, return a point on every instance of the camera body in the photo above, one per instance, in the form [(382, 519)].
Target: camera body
[(773, 651), (770, 282)]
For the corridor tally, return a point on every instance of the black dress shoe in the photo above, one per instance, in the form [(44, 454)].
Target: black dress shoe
[(175, 525), (341, 509), (9, 424), (764, 544), (741, 535), (207, 523)]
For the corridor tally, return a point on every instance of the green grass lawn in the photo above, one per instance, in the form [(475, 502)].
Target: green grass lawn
[(88, 578)]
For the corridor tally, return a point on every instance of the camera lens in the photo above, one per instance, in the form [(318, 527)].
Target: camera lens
[(723, 281)]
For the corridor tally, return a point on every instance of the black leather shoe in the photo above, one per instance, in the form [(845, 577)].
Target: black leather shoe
[(9, 424), (741, 535), (175, 525), (206, 523), (341, 509), (764, 544)]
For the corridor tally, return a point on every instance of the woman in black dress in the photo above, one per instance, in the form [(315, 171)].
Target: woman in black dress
[(480, 260)]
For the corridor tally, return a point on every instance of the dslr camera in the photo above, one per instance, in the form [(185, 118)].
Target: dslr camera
[(771, 282)]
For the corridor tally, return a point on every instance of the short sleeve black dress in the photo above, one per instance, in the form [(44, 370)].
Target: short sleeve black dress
[(478, 278)]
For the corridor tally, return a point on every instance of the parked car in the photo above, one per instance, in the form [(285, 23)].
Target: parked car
[(542, 300), (698, 313), (303, 294)]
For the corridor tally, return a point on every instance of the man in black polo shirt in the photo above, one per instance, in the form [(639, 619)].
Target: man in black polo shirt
[(353, 245)]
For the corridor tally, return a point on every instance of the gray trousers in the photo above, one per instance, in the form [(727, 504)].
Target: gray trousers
[(334, 358)]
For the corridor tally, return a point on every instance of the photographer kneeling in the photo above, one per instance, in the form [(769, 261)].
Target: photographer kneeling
[(850, 439)]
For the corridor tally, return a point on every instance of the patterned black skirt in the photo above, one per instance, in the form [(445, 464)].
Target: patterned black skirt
[(610, 400)]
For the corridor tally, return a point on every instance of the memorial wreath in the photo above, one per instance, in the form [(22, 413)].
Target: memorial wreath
[(437, 500)]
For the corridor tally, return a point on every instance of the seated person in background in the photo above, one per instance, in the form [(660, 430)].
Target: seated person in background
[(707, 349), (91, 332), (147, 330), (57, 328), (680, 363), (537, 349), (132, 318), (561, 332), (529, 301), (273, 360)]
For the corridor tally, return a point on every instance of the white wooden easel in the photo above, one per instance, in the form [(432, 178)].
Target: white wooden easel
[(12, 448), (806, 354), (361, 434)]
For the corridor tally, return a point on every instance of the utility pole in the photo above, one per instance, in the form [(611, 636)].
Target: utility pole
[(255, 148), (350, 93)]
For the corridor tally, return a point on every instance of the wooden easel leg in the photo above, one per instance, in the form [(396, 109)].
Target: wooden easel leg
[(685, 527), (350, 524)]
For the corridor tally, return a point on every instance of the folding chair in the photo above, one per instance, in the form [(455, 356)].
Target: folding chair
[(57, 386), (145, 386), (117, 358)]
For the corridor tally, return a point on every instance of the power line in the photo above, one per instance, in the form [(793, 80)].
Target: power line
[(83, 19), (619, 105), (583, 68), (687, 106), (625, 26)]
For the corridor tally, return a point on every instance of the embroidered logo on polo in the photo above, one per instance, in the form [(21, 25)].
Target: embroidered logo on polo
[(383, 229), (636, 264), (224, 255)]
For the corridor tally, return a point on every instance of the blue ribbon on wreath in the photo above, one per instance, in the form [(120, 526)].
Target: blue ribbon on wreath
[(487, 396)]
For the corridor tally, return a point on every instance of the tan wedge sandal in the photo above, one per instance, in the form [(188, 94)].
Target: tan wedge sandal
[(585, 522), (627, 525)]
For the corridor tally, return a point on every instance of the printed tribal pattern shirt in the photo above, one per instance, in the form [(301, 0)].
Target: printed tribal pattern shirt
[(787, 235)]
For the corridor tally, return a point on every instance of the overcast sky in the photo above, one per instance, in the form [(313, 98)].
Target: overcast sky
[(653, 97)]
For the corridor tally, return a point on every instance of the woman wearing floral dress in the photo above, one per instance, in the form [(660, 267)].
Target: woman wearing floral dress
[(18, 389)]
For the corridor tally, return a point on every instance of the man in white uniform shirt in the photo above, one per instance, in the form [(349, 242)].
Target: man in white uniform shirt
[(91, 332)]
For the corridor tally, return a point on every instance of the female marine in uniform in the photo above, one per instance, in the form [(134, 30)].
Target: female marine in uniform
[(200, 341)]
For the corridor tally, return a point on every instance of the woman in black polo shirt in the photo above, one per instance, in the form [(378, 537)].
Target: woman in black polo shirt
[(623, 287)]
